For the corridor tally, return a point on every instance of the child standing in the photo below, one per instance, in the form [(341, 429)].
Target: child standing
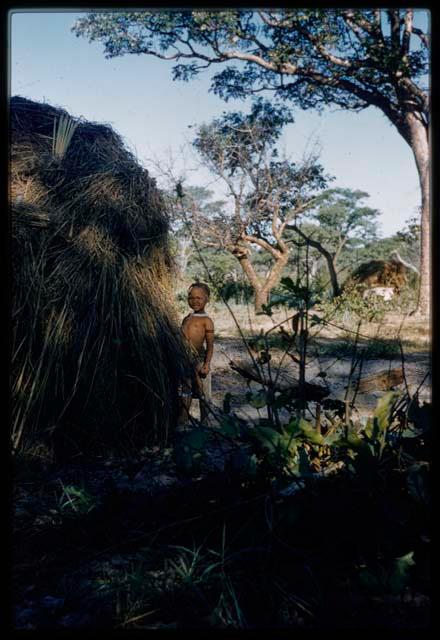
[(198, 328)]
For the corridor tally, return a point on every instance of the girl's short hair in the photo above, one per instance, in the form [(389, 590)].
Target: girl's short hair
[(200, 285)]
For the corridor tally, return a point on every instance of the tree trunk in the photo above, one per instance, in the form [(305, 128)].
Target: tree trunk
[(262, 291), (248, 269), (420, 147), (261, 298), (333, 274), (185, 252), (273, 279), (329, 258)]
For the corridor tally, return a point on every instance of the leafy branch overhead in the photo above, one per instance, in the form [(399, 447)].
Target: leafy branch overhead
[(311, 57)]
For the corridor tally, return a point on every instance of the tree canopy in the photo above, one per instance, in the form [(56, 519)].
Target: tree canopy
[(309, 57), (341, 219), (266, 191)]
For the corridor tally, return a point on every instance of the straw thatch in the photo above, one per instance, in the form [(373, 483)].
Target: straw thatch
[(97, 354), (380, 273)]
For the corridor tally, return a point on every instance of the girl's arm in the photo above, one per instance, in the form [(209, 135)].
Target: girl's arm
[(209, 337)]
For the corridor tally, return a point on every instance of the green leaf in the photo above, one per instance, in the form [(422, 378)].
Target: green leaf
[(312, 436), (269, 438), (259, 399), (196, 439), (371, 429), (409, 434), (384, 410), (304, 430), (229, 427), (331, 437), (400, 574), (354, 441), (293, 427)]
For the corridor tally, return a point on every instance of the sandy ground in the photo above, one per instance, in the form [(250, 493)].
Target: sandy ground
[(230, 346)]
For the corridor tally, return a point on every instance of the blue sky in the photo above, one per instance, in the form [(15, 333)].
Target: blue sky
[(138, 98)]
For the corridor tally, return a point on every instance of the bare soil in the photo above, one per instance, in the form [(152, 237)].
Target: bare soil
[(330, 351)]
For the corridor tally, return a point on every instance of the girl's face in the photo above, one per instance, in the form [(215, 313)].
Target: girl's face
[(197, 299)]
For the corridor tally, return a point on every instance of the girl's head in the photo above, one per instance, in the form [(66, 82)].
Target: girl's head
[(198, 295)]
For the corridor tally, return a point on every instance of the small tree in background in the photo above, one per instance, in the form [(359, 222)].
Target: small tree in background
[(195, 198), (336, 222), (266, 192)]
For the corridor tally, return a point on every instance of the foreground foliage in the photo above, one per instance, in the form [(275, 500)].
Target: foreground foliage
[(299, 528)]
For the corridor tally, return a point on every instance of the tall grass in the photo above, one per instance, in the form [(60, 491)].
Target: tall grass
[(63, 130)]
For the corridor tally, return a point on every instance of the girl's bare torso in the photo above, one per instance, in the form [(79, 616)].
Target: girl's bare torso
[(194, 328)]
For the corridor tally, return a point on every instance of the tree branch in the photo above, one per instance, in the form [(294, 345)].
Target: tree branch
[(270, 66), (264, 244), (423, 37), (406, 38), (327, 255)]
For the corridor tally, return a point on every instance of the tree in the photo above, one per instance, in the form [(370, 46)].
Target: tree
[(266, 192), (311, 57), (201, 200), (338, 221)]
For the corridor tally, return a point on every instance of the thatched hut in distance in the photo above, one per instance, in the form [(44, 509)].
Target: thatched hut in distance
[(390, 274), (96, 354)]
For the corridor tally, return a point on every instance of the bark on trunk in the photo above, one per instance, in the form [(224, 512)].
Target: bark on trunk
[(185, 252), (333, 275), (261, 298), (262, 291), (329, 258), (420, 147), (249, 272), (272, 280)]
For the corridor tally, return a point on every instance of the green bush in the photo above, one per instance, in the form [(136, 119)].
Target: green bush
[(352, 305)]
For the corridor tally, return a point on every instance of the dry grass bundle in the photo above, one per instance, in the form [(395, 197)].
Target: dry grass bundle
[(97, 354), (95, 244)]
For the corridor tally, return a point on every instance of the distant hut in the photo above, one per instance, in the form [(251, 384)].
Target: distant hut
[(384, 277), (96, 354)]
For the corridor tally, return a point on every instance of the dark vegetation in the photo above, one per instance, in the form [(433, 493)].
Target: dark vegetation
[(247, 525)]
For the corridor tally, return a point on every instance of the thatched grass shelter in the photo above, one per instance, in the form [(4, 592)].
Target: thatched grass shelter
[(97, 354), (380, 273)]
